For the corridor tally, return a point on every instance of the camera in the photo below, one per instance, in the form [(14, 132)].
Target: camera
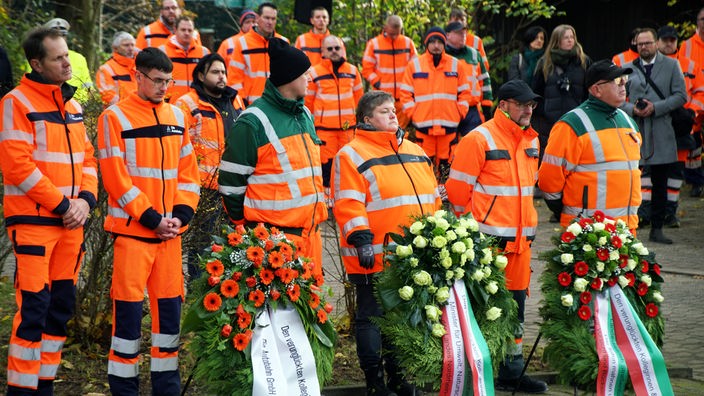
[(564, 83), (640, 104)]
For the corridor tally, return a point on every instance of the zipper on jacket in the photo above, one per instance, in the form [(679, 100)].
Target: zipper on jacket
[(163, 179), (415, 191), (491, 207), (70, 149)]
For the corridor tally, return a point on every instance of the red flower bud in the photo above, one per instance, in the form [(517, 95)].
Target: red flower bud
[(216, 248), (251, 281), (328, 307), (213, 280), (226, 330), (275, 294)]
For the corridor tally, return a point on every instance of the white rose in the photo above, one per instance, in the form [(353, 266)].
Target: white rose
[(623, 281), (469, 243), (640, 249), (567, 300), (432, 289), (440, 214), (501, 262), (443, 253), (432, 313), (422, 278), (420, 242), (614, 255), (566, 258), (602, 241), (598, 226), (461, 232), (438, 330), (459, 273), (413, 262), (487, 256), (487, 272), (459, 247), (450, 235), (580, 284), (646, 279), (404, 251), (624, 237), (587, 248), (472, 225), (469, 254), (416, 228), (492, 287), (439, 241), (658, 296), (442, 295), (631, 264), (620, 223), (406, 292), (574, 228), (449, 275), (478, 275), (493, 313), (446, 262), (599, 266), (463, 260), (442, 224), (463, 222)]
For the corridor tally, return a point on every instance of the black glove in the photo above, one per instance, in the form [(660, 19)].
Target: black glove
[(365, 253), (377, 85)]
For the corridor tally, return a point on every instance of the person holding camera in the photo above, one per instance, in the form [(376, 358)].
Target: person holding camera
[(652, 72)]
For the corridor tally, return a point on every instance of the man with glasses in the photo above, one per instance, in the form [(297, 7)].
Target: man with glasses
[(492, 177), (332, 96), (591, 159), (654, 71), (150, 173), (157, 32)]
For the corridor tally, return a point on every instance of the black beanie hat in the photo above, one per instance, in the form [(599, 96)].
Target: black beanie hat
[(286, 63), (435, 32)]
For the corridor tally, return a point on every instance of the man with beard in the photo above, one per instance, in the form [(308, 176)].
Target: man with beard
[(115, 78), (157, 32), (150, 174), (435, 96)]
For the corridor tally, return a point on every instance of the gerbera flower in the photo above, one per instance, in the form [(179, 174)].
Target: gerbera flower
[(266, 276), (260, 232), (564, 279), (212, 302), (286, 250), (322, 316), (258, 297), (240, 341), (286, 275), (314, 301), (319, 280), (597, 283), (268, 245), (307, 271), (584, 312), (276, 259), (612, 281), (244, 320), (294, 292), (234, 238), (645, 266), (623, 261), (651, 310), (275, 231), (642, 289), (255, 254), (580, 267), (585, 221), (656, 269), (602, 254), (610, 227), (616, 241), (229, 288), (215, 268), (631, 278), (598, 216), (585, 297), (567, 237)]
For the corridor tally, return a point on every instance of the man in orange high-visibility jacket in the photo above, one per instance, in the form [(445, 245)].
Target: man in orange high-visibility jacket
[(311, 41), (385, 59), (115, 78), (493, 177), (184, 54), (248, 66), (332, 96), (157, 32), (435, 96), (151, 176), (270, 171), (247, 20), (50, 183), (591, 159), (631, 53)]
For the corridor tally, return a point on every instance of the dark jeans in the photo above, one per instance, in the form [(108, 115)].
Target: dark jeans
[(511, 367), (658, 199)]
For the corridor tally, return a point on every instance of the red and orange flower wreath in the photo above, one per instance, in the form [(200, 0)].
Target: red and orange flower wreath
[(592, 254), (247, 270)]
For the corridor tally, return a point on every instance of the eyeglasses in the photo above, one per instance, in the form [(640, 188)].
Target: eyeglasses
[(620, 80), (158, 82), (645, 44), (523, 106), (336, 48)]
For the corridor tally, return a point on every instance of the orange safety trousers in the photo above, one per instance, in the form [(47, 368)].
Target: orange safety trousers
[(157, 266), (437, 146), (48, 261), (333, 142), (518, 270)]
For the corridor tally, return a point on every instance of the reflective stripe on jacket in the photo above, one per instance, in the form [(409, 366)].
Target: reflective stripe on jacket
[(692, 48), (624, 57), (207, 133), (385, 61), (331, 97), (147, 164), (378, 186), (228, 45), (270, 170), (248, 66), (436, 99), (156, 34), (184, 62), (310, 44), (45, 154), (115, 79), (591, 163)]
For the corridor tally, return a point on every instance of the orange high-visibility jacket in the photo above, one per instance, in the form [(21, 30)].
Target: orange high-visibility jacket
[(624, 57), (692, 48), (591, 163), (310, 44), (248, 67), (332, 98), (436, 99), (115, 79), (378, 186), (477, 43), (385, 61), (148, 166), (492, 177), (156, 34), (694, 82), (207, 133), (184, 62), (45, 154), (228, 45)]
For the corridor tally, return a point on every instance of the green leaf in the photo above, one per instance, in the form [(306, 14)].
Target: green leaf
[(397, 238), (389, 298), (321, 336)]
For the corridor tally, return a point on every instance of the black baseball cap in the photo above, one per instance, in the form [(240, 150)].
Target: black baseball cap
[(455, 26), (604, 69), (667, 31), (518, 90)]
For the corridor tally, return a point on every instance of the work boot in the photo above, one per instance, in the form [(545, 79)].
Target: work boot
[(657, 236), (671, 221), (375, 382), (523, 384), (696, 191)]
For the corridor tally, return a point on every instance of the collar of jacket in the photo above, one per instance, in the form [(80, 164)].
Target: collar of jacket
[(67, 90), (123, 60), (319, 36), (504, 123), (273, 96), (443, 59), (146, 103), (455, 51), (173, 42), (327, 64), (599, 106), (382, 138)]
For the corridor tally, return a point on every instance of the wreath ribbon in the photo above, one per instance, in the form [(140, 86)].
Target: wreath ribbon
[(466, 366), (282, 358), (624, 346)]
